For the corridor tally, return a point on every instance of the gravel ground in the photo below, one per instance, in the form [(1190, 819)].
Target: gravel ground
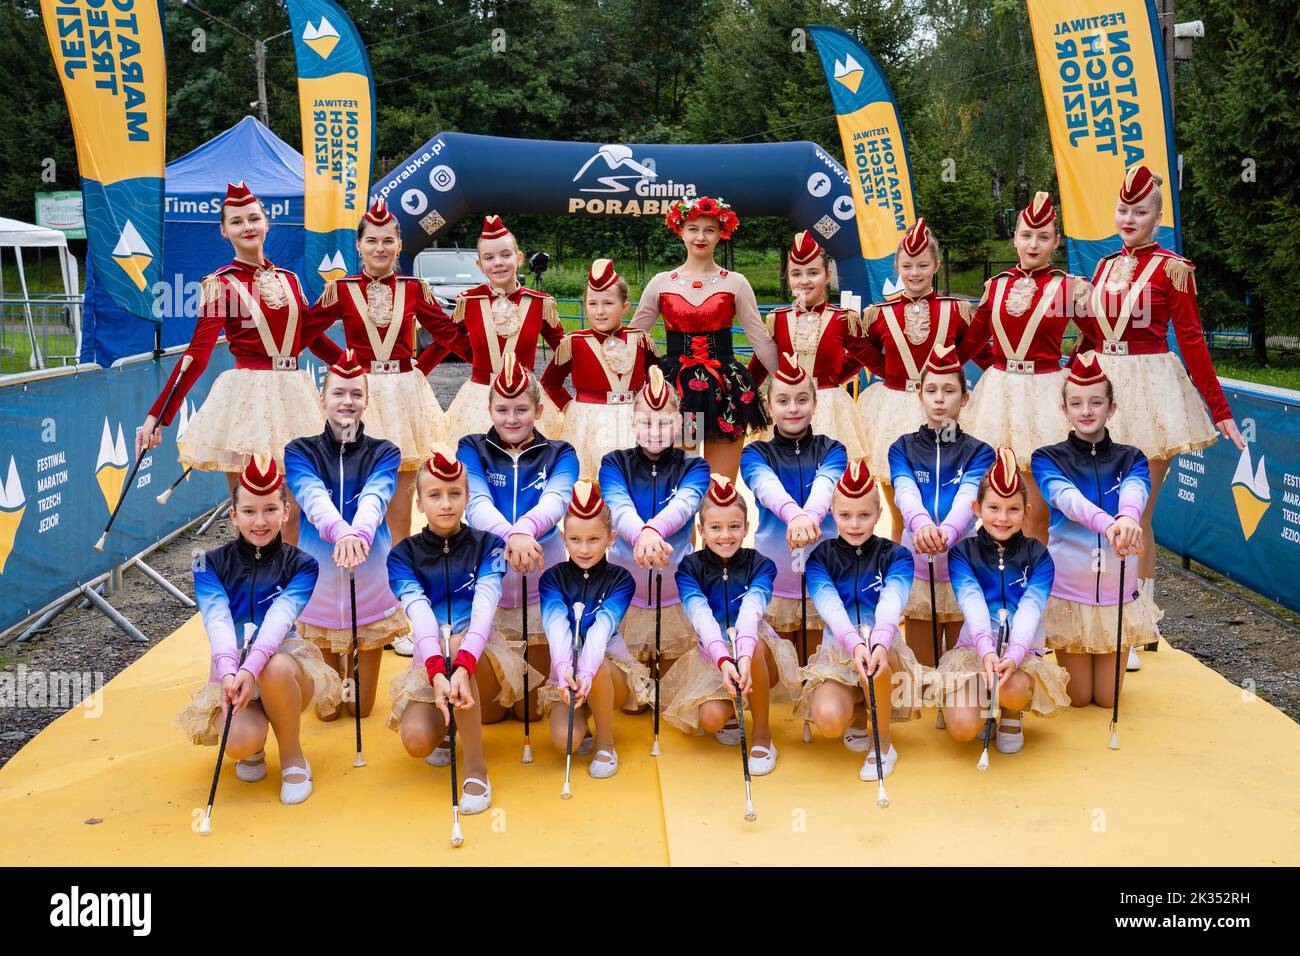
[(1229, 632)]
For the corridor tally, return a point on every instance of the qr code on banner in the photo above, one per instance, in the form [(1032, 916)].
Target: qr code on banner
[(433, 222), (827, 227)]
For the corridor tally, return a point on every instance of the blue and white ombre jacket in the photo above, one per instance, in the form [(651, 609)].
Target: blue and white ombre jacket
[(855, 585), (987, 576), (717, 595), (240, 583), (344, 488), (791, 477), (1088, 486), (524, 490), (935, 477), (661, 493), (424, 568), (605, 591)]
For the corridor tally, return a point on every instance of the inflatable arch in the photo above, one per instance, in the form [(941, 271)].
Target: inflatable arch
[(455, 173)]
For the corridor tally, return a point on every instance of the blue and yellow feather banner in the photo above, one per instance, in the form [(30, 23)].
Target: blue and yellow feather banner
[(336, 97), (1102, 68), (111, 60), (875, 151)]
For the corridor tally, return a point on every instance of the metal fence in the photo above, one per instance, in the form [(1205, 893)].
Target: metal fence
[(39, 331)]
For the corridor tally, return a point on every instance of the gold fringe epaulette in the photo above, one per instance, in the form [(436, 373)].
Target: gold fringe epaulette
[(869, 316), (769, 321), (426, 290), (564, 351), (210, 289), (458, 313), (984, 297), (853, 319), (550, 311), (650, 344), (964, 308), (330, 295), (1082, 288), (1180, 274)]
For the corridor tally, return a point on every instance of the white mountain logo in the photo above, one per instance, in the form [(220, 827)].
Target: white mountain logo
[(12, 505), (323, 39), (132, 254), (332, 267), (616, 157), (849, 72), (110, 466)]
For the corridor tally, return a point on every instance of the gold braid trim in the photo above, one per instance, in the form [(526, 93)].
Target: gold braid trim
[(564, 351), (550, 312), (458, 313), (1180, 274)]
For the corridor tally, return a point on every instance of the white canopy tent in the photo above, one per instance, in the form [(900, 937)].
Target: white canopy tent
[(17, 235)]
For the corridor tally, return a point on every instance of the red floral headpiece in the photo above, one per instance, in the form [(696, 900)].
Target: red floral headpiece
[(683, 211)]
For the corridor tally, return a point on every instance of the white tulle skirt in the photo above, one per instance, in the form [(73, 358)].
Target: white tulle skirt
[(1159, 410), (249, 411), (403, 409)]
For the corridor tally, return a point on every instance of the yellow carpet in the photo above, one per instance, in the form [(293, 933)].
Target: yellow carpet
[(1205, 776)]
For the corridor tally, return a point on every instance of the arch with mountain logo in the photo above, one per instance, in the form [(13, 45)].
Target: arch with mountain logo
[(456, 174)]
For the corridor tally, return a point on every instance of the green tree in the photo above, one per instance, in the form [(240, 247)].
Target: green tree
[(1238, 128)]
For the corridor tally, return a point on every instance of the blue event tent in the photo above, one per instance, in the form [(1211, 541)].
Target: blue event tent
[(192, 245)]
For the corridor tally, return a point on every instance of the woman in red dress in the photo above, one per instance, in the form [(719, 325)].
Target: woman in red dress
[(379, 310), (265, 401), (699, 303)]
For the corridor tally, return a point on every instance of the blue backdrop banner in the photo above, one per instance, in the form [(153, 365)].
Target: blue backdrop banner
[(65, 451), (1238, 513)]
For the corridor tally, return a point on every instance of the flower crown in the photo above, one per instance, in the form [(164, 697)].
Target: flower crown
[(683, 211)]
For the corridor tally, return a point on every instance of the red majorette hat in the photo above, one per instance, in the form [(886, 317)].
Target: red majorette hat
[(237, 194), (856, 482), (261, 475), (512, 381), (917, 239), (601, 275), (1138, 184), (378, 213), (347, 366), (789, 370), (494, 227), (442, 468), (805, 249), (1004, 476), (655, 392), (586, 501), (943, 360), (1086, 370), (1040, 212), (722, 491)]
